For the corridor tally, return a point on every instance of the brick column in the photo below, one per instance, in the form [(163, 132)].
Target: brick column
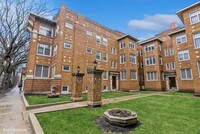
[(94, 88), (77, 87)]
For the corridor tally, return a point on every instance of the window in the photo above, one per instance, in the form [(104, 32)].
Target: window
[(183, 55), (88, 70), (159, 47), (122, 45), (68, 45), (162, 76), (53, 71), (161, 63), (122, 59), (166, 52), (86, 88), (98, 39), (89, 50), (44, 50), (171, 51), (113, 64), (115, 51), (105, 75), (149, 48), (133, 75), (142, 77), (186, 74), (98, 55), (105, 88), (45, 31), (151, 61), (173, 65), (140, 52), (105, 41), (133, 59), (196, 38), (89, 33), (105, 57), (198, 65), (131, 45), (181, 39), (65, 68), (123, 75), (57, 30), (141, 65), (65, 88), (55, 50), (41, 71), (195, 17), (151, 76), (69, 25), (167, 66)]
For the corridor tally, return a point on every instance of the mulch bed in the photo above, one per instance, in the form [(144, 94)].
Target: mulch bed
[(107, 127), (120, 113)]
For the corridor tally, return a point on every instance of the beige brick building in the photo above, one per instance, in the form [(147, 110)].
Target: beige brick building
[(169, 60)]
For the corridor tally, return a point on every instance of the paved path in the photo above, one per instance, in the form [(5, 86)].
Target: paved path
[(84, 103), (12, 120)]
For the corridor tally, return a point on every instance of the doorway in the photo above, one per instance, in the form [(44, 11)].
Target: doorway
[(114, 83), (172, 82)]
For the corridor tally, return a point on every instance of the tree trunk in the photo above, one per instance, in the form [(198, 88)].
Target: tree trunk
[(6, 82)]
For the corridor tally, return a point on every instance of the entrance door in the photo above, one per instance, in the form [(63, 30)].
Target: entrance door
[(114, 83), (172, 82)]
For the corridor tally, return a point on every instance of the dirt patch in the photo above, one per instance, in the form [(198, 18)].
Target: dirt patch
[(120, 113), (107, 127)]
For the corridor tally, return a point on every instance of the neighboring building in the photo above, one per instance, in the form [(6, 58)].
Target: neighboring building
[(170, 60)]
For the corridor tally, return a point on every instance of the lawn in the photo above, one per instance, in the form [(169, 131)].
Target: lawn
[(42, 99), (158, 115), (180, 94)]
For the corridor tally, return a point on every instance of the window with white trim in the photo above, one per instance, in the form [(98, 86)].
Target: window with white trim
[(69, 25), (162, 76), (149, 48), (105, 75), (151, 76), (98, 39), (89, 33), (68, 45), (183, 55), (150, 60), (131, 45), (173, 65), (66, 68), (166, 52), (196, 38), (186, 74), (55, 50), (113, 64), (133, 75), (44, 50), (123, 75), (122, 59), (105, 41), (195, 17), (114, 51), (133, 59), (167, 66), (159, 47), (105, 88), (198, 65), (171, 51), (86, 88), (53, 71), (161, 63), (89, 50), (65, 88), (41, 71), (105, 57), (122, 45), (140, 52), (181, 39), (46, 31), (98, 55)]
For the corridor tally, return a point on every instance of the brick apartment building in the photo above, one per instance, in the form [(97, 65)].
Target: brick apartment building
[(169, 60)]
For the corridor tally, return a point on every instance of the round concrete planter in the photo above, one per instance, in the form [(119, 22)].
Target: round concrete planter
[(121, 121)]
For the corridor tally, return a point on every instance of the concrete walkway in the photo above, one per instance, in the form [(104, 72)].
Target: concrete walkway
[(12, 120), (84, 103)]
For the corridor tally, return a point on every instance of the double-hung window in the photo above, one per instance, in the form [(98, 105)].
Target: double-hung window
[(69, 25), (44, 50), (186, 74), (89, 33), (149, 48), (173, 65), (41, 71), (167, 66), (123, 75), (181, 39), (183, 55), (122, 58), (133, 59), (171, 51), (46, 31), (195, 17), (105, 41), (133, 75), (131, 45), (98, 55), (105, 75), (122, 45), (151, 60), (198, 65), (166, 52), (98, 39), (196, 38), (105, 57), (151, 76)]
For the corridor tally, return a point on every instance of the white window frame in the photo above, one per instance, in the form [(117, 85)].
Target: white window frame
[(55, 50), (63, 68), (98, 52), (65, 92), (113, 64), (89, 52), (68, 45), (69, 25), (166, 52), (193, 14), (173, 65), (183, 53), (105, 55), (149, 48), (167, 66), (198, 66), (43, 30), (53, 71), (196, 36), (131, 45), (181, 39), (123, 59), (89, 33), (122, 45), (150, 59), (171, 51), (105, 73), (98, 38), (161, 62), (135, 74), (154, 76), (162, 76), (105, 41), (133, 57), (44, 47), (123, 75), (186, 74), (41, 76), (106, 88)]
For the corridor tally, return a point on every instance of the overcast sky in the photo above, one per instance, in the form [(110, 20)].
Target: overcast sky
[(140, 18)]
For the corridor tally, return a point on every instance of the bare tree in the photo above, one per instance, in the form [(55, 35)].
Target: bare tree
[(14, 37)]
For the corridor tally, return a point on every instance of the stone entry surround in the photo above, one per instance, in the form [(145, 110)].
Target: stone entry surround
[(77, 87), (94, 88)]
